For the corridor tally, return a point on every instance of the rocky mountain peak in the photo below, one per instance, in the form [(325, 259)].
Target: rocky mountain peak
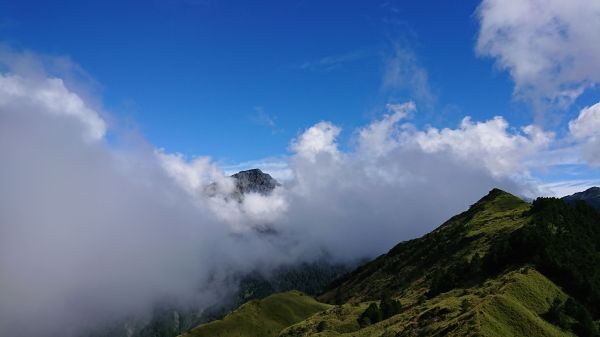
[(255, 181)]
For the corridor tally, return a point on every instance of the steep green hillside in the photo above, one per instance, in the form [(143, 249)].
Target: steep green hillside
[(511, 305), (459, 243), (502, 268), (481, 251), (262, 318)]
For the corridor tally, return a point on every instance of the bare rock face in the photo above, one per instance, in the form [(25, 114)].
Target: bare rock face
[(249, 181), (254, 181)]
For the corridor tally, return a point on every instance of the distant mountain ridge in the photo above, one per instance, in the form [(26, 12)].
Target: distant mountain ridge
[(591, 196)]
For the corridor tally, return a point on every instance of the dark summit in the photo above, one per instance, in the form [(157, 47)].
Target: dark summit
[(591, 196), (255, 181)]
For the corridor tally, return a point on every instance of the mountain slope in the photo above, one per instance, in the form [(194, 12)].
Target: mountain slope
[(263, 318), (591, 196), (170, 321), (502, 268), (452, 245), (481, 252), (508, 306)]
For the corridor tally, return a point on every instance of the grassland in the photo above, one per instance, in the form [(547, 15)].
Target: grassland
[(262, 318), (510, 305)]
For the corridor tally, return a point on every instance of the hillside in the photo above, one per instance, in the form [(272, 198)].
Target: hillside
[(463, 239), (591, 196), (266, 317), (170, 320), (511, 305), (504, 267)]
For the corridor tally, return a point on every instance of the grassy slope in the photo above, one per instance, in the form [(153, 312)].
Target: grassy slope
[(405, 268), (262, 318), (507, 306)]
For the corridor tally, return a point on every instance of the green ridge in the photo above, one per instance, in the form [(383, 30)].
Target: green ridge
[(472, 232), (262, 318), (510, 305)]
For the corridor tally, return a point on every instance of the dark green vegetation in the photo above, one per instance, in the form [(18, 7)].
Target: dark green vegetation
[(571, 315), (591, 196), (309, 278), (374, 313), (502, 268), (266, 317), (563, 242)]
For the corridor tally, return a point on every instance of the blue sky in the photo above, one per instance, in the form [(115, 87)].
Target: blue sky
[(237, 80)]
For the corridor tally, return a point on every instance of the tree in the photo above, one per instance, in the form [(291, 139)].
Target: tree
[(389, 307), (338, 297), (371, 315), (322, 326), (465, 305)]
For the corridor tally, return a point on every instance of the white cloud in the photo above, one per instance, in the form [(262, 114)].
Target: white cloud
[(196, 174), (319, 139), (586, 131), (89, 233), (587, 123), (265, 210), (51, 96), (384, 188), (563, 188), (550, 48), (92, 233), (209, 185), (488, 144), (380, 136)]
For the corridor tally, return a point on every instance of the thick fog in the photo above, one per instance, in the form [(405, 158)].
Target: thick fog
[(95, 228)]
